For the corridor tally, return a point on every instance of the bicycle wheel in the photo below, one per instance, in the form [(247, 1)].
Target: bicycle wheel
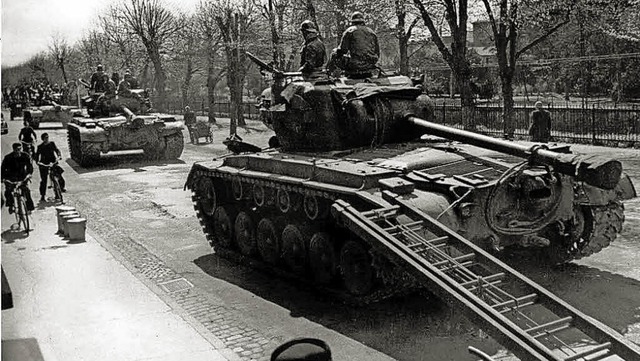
[(57, 190), (22, 212)]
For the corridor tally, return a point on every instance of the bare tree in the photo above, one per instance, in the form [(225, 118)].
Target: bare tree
[(511, 16), (456, 16), (403, 33), (274, 12), (153, 24), (60, 49), (234, 19)]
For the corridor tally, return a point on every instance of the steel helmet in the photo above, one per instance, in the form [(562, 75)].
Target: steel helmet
[(357, 18), (309, 26)]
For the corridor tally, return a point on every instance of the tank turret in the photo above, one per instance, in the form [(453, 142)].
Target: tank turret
[(336, 114)]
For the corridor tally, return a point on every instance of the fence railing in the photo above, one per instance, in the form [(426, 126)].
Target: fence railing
[(609, 125), (601, 124)]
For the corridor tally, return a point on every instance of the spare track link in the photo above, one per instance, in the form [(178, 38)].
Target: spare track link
[(391, 286)]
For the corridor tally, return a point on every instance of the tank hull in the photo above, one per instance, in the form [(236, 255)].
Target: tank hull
[(273, 210), (159, 136)]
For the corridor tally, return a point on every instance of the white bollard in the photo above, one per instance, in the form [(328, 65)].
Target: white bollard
[(77, 228)]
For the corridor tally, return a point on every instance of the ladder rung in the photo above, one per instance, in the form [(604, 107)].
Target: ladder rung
[(517, 301), (401, 226), (456, 266), (589, 352), (462, 258), (489, 278), (432, 242), (550, 332), (381, 213), (489, 283), (548, 325), (520, 305)]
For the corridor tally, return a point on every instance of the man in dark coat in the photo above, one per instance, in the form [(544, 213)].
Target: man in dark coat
[(313, 54), (358, 51), (16, 166), (48, 153), (540, 129), (96, 83)]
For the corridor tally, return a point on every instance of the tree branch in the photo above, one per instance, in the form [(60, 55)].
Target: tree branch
[(543, 37)]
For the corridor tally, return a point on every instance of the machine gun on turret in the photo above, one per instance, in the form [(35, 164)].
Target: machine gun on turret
[(266, 67)]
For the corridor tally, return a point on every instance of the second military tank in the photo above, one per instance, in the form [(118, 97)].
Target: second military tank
[(350, 147), (124, 124)]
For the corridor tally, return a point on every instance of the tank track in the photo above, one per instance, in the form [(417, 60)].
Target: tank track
[(174, 146), (389, 280), (83, 153), (606, 224), (601, 225)]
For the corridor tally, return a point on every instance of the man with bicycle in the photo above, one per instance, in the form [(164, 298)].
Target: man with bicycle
[(47, 154), (16, 167), (27, 136)]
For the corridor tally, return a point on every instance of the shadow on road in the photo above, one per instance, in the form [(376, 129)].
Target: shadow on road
[(135, 161), (24, 349), (10, 236), (610, 298), (401, 327)]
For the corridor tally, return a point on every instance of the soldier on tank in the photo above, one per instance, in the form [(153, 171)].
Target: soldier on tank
[(313, 54), (96, 83), (133, 82), (358, 51), (104, 101), (124, 88)]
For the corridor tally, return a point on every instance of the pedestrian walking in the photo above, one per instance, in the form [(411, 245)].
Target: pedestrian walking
[(540, 129)]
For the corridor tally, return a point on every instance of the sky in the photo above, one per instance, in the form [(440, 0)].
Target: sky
[(28, 25)]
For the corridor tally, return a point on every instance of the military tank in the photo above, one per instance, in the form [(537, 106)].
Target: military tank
[(367, 141), (123, 124), (51, 113)]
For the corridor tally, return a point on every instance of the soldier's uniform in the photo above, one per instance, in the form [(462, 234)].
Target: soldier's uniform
[(313, 54), (358, 51)]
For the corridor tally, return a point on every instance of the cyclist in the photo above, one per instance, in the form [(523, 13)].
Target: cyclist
[(16, 167), (48, 153), (27, 135)]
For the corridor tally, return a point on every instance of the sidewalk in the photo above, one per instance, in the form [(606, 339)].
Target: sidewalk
[(75, 301)]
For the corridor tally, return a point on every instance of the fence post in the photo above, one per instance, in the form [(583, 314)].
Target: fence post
[(593, 124), (444, 113)]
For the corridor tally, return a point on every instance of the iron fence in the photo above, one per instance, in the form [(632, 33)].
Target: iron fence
[(600, 124), (615, 125)]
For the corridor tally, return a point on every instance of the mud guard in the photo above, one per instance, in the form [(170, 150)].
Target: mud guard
[(594, 196)]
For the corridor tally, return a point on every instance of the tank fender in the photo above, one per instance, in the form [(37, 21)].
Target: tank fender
[(594, 196), (96, 134)]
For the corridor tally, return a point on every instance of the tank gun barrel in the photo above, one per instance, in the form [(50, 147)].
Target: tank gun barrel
[(598, 171), (270, 68), (128, 112)]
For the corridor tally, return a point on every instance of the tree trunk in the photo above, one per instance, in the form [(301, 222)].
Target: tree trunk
[(160, 77), (311, 12), (212, 81), (186, 84), (64, 72), (507, 106)]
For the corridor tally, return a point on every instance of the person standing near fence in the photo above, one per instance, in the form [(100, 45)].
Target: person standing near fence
[(540, 129)]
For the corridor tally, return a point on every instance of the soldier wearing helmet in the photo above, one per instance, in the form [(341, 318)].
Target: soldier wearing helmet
[(313, 53), (96, 83), (358, 51)]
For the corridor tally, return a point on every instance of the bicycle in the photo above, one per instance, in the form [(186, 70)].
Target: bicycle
[(54, 177), (29, 148), (20, 204)]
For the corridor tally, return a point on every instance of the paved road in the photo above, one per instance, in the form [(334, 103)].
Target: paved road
[(142, 210)]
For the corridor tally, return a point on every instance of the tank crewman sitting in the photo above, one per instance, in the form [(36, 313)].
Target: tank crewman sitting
[(313, 54), (358, 51), (104, 101), (124, 88), (96, 83), (133, 82), (16, 167)]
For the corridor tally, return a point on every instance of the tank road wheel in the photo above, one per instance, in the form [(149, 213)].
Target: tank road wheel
[(284, 200), (314, 208), (323, 258), (294, 251), (237, 189), (207, 199), (245, 234), (268, 240), (223, 227), (357, 270), (174, 144), (258, 195)]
